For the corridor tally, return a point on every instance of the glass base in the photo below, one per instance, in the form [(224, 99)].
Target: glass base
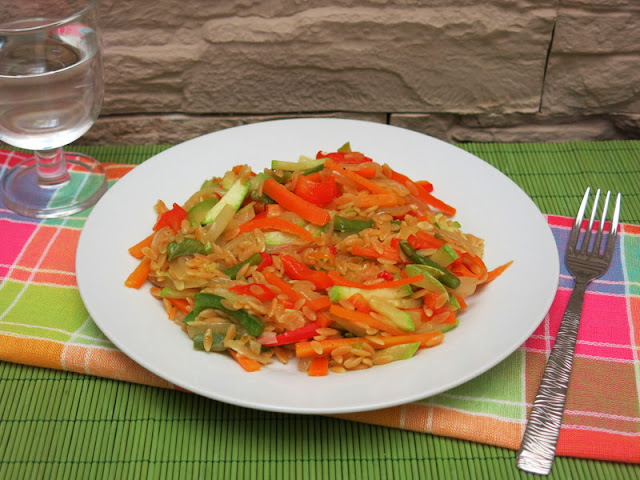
[(23, 192)]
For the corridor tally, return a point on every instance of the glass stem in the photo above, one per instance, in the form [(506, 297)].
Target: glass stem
[(52, 167)]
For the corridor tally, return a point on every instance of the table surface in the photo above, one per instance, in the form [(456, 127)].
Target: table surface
[(64, 425)]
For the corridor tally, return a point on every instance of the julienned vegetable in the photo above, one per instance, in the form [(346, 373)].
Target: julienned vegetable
[(337, 260)]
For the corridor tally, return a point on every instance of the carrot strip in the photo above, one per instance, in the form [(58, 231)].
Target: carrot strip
[(249, 364), (271, 223), (320, 303), (323, 320), (319, 366), (368, 172), (435, 202), (284, 287), (361, 317), (181, 304), (296, 204), (340, 280), (136, 250), (305, 350), (426, 339), (475, 264), (387, 252), (361, 181), (461, 301), (496, 272), (379, 200), (428, 186), (360, 303), (139, 275), (423, 190)]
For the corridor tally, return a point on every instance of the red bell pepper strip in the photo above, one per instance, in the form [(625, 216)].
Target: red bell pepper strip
[(385, 275), (317, 192), (266, 261), (171, 218), (257, 290), (345, 157), (293, 336), (297, 270), (422, 240)]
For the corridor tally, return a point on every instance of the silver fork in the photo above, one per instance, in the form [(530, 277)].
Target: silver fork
[(585, 262)]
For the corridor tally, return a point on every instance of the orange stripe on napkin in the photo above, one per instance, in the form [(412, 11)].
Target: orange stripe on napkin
[(109, 364), (43, 353)]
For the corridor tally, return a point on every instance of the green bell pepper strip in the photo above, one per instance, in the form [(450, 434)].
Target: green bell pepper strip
[(342, 224), (232, 272), (203, 301), (446, 278), (188, 246)]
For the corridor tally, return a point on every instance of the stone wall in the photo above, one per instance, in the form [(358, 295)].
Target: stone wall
[(460, 70)]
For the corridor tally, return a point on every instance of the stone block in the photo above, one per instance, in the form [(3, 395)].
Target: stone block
[(594, 66), (516, 128), (459, 56), (178, 128)]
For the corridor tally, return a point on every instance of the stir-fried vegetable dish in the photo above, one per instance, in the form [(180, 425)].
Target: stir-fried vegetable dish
[(337, 261)]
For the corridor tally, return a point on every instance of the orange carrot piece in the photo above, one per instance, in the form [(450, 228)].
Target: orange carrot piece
[(475, 264), (319, 366), (388, 253), (371, 200), (284, 287), (360, 303), (181, 304), (436, 203), (426, 339), (340, 280), (249, 364), (305, 350), (361, 181), (461, 301), (320, 303), (496, 272), (272, 223), (323, 320), (368, 172), (361, 317), (136, 250), (292, 202), (139, 275)]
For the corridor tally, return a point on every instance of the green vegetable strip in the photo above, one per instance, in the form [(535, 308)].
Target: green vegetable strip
[(232, 272), (203, 301), (188, 246), (342, 224), (447, 278)]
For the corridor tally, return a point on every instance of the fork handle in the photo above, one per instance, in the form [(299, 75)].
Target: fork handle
[(538, 447)]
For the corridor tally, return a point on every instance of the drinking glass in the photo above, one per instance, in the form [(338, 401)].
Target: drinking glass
[(51, 89)]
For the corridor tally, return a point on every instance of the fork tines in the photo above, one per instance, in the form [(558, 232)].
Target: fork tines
[(586, 241)]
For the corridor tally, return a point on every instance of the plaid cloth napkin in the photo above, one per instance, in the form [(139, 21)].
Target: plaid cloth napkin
[(44, 323)]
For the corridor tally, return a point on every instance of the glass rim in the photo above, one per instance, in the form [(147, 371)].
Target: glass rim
[(50, 24)]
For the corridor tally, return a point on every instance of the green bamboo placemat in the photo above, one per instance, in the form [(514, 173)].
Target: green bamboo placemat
[(64, 425)]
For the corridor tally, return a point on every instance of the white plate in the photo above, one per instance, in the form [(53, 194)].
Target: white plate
[(499, 318)]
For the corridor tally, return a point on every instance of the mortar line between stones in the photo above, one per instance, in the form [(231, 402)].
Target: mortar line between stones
[(548, 57)]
